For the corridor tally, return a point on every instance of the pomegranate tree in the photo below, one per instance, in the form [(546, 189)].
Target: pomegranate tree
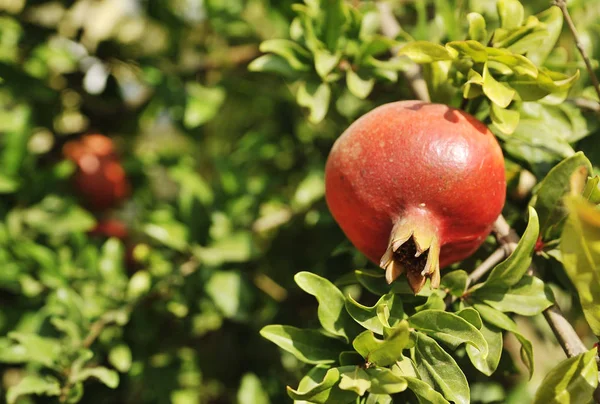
[(416, 186)]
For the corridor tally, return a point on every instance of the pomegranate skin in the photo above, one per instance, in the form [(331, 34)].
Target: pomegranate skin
[(414, 170), (100, 179)]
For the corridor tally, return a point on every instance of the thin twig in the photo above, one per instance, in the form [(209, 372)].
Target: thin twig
[(391, 28), (562, 4), (586, 103), (489, 263)]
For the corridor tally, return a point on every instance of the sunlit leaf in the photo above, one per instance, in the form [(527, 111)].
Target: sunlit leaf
[(571, 381)]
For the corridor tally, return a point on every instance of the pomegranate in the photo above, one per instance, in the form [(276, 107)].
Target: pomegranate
[(416, 187), (100, 178), (110, 228)]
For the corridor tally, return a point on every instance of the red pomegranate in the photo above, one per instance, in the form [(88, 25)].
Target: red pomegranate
[(416, 186), (100, 178)]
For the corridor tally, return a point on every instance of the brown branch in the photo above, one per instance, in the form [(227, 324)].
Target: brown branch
[(391, 28), (235, 55), (586, 103), (562, 4)]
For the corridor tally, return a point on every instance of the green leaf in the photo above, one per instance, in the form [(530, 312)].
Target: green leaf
[(511, 270), (440, 370), (120, 357), (506, 120), (473, 86), (580, 250), (386, 352), (309, 346), (229, 293), (455, 282), (320, 386), (356, 380), (35, 348), (471, 49), (497, 92), (517, 63), (237, 247), (477, 28), (448, 328), (549, 194), (251, 390), (110, 378), (552, 18), (425, 393), (273, 64), (367, 316), (471, 315), (202, 105), (384, 381), (591, 192), (511, 13), (358, 86), (33, 384), (325, 62), (334, 12), (8, 185), (435, 301), (502, 321), (529, 297), (571, 381), (316, 98), (379, 399), (425, 52), (487, 364), (310, 190), (294, 54), (332, 305), (374, 281), (172, 234)]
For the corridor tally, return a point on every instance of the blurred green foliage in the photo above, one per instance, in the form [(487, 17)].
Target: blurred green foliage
[(225, 161)]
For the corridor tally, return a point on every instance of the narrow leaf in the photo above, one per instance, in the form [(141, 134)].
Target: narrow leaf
[(529, 297), (383, 352), (384, 381), (440, 370), (367, 316), (549, 194), (332, 311), (497, 92), (309, 346), (572, 381), (425, 52), (448, 328), (580, 250), (511, 270), (487, 364)]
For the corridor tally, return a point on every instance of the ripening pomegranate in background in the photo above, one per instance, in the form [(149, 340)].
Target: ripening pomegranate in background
[(100, 178), (415, 187)]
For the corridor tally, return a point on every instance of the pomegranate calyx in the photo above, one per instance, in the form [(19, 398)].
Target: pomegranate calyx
[(411, 237)]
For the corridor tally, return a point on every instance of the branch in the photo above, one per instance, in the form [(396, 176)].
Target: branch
[(391, 28), (235, 55), (563, 330), (562, 4)]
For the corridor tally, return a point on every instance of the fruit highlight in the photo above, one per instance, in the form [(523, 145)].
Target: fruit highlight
[(416, 187)]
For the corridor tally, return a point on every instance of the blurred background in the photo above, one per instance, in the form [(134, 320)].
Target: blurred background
[(138, 266)]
